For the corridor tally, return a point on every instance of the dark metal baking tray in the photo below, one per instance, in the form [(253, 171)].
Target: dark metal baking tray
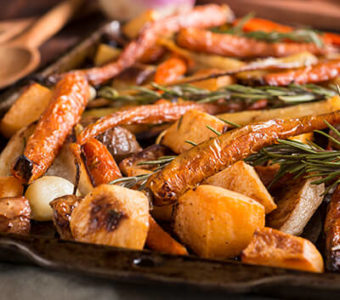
[(43, 248)]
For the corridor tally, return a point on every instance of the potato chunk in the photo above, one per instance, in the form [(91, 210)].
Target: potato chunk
[(105, 53), (242, 178), (296, 205), (10, 187), (215, 222), (274, 248), (191, 127), (27, 109), (112, 215), (296, 111)]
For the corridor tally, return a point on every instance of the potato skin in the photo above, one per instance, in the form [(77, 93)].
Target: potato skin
[(332, 232), (215, 222), (15, 215), (193, 166), (112, 215), (274, 248)]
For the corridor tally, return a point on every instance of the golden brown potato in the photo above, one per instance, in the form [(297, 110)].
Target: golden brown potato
[(62, 210), (270, 247), (112, 215), (296, 111), (105, 53), (296, 205), (191, 127), (15, 215), (14, 148), (10, 187), (26, 109), (242, 178), (215, 222)]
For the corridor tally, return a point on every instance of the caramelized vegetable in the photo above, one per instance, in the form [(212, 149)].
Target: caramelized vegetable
[(112, 215), (202, 40), (68, 102), (100, 163), (146, 114), (15, 215), (242, 178), (270, 247), (215, 222), (332, 232), (161, 241), (193, 166), (320, 72), (62, 210), (170, 70), (296, 205), (10, 187), (201, 16)]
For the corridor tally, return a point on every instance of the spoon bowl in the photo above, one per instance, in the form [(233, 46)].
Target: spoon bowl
[(16, 62)]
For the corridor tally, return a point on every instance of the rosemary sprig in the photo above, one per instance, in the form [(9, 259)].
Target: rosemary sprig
[(299, 159), (291, 94)]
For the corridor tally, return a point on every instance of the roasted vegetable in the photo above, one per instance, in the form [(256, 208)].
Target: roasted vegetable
[(320, 72), (112, 215), (215, 222), (332, 232), (100, 163), (10, 187), (170, 70), (201, 16), (274, 248), (105, 54), (120, 142), (27, 108), (15, 215), (42, 191), (62, 209), (68, 102), (192, 128), (193, 166), (202, 40), (296, 205), (242, 178)]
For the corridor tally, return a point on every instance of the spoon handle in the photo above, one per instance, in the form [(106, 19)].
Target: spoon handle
[(49, 24)]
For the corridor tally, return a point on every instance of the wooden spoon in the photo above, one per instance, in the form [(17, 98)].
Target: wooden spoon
[(10, 28), (21, 56)]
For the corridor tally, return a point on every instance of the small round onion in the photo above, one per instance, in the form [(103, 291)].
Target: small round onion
[(42, 191), (123, 10)]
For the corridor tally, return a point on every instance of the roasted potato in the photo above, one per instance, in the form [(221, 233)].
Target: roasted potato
[(105, 53), (26, 109), (15, 215), (191, 127), (215, 222), (296, 111), (10, 187), (112, 215), (296, 205), (274, 248), (242, 178)]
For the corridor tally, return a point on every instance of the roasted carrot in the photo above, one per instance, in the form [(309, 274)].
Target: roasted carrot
[(146, 114), (332, 232), (152, 54), (159, 240), (170, 70), (67, 104), (201, 40), (193, 166), (201, 16), (320, 72), (100, 163)]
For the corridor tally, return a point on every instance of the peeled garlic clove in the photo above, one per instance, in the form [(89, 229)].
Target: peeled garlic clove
[(42, 191)]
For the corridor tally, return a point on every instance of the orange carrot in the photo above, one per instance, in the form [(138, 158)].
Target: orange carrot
[(320, 72), (100, 163), (170, 70), (161, 241)]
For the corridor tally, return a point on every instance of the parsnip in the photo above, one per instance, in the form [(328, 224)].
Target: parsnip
[(215, 222), (274, 248), (242, 178)]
